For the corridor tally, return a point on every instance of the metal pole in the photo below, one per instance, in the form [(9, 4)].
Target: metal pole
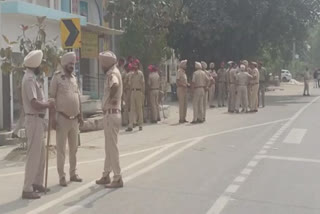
[(1, 91), (113, 37), (47, 154)]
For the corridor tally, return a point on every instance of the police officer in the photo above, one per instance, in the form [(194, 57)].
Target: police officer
[(212, 89), (262, 83), (232, 87), (222, 81), (154, 87), (126, 94), (137, 86), (200, 82), (111, 106), (34, 107), (208, 86), (249, 71), (242, 81), (64, 89), (254, 87), (306, 78), (182, 87)]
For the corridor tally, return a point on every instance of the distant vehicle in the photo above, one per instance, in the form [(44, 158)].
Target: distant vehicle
[(286, 76)]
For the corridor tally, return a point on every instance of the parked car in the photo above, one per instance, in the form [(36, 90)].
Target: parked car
[(286, 76)]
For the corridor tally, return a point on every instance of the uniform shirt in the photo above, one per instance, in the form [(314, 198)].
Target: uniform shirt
[(182, 77), (222, 77), (200, 79), (64, 89), (214, 75), (136, 80), (232, 75), (30, 90), (263, 74), (112, 77), (306, 76), (209, 76), (243, 78), (125, 80), (154, 80), (255, 76)]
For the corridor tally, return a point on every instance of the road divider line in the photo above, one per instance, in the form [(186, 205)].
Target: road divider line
[(295, 136), (161, 146), (225, 197), (295, 159)]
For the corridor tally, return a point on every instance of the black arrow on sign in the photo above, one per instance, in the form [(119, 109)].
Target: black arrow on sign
[(74, 32)]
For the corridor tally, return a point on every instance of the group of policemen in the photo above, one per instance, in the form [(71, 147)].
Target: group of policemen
[(242, 85), (64, 107), (124, 89)]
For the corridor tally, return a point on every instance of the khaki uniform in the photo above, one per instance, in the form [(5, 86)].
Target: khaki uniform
[(154, 84), (306, 79), (112, 123), (262, 86), (200, 81), (249, 88), (242, 80), (206, 94), (182, 84), (222, 84), (254, 90), (35, 128), (232, 90), (65, 91), (126, 97), (212, 89), (137, 86)]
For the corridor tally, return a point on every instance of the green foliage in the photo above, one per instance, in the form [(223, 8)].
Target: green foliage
[(51, 53)]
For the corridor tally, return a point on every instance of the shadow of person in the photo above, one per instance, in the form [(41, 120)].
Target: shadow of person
[(14, 205)]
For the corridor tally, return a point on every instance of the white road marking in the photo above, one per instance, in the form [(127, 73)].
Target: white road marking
[(291, 159), (219, 205), (270, 143), (99, 194), (164, 145), (295, 136), (92, 183), (224, 199), (239, 179), (262, 152), (82, 188), (232, 188), (252, 163), (266, 147), (246, 171)]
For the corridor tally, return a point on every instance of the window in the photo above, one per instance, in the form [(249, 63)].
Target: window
[(66, 6)]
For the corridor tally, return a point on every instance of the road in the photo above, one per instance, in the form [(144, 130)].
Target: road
[(261, 163)]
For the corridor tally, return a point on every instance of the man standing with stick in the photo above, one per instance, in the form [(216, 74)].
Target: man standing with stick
[(64, 89), (35, 109)]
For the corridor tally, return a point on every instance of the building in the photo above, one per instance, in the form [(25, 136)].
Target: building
[(96, 34)]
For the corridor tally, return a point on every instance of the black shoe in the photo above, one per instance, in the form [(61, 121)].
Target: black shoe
[(63, 182), (75, 178), (140, 128), (103, 181), (40, 188), (129, 130), (14, 135), (154, 122), (194, 122), (186, 121), (219, 106), (30, 195), (212, 106), (135, 125), (237, 112), (181, 121)]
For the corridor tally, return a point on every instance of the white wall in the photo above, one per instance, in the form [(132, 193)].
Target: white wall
[(93, 12)]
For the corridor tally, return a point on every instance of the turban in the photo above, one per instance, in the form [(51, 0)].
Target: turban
[(198, 66), (212, 65), (33, 59), (242, 67), (68, 58), (183, 64), (107, 59), (204, 65), (245, 62)]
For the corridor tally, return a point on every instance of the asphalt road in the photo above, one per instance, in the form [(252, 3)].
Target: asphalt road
[(261, 163)]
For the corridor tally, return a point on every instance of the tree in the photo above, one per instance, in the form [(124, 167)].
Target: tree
[(237, 29)]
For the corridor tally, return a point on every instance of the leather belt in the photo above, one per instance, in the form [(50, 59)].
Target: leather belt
[(153, 89), (112, 111), (136, 89), (69, 117), (38, 115)]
